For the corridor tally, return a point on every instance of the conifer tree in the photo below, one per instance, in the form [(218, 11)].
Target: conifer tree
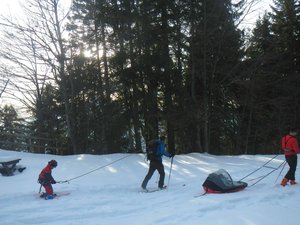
[(272, 71), (214, 56)]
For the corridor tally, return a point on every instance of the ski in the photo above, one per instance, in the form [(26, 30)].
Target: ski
[(153, 190), (54, 196), (60, 194)]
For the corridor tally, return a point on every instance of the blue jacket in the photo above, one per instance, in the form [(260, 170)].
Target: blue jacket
[(161, 151)]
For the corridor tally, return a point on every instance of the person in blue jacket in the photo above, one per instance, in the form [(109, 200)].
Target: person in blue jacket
[(156, 164)]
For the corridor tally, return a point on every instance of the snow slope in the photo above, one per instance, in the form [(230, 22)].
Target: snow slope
[(111, 195)]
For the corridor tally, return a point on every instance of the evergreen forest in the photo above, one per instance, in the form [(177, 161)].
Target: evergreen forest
[(107, 76)]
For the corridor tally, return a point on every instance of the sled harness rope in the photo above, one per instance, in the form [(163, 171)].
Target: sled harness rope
[(264, 165), (280, 172), (273, 169), (99, 168)]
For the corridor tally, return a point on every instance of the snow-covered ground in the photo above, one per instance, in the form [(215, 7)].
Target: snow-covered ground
[(111, 196)]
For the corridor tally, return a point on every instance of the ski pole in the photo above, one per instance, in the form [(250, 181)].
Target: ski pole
[(170, 171), (280, 172)]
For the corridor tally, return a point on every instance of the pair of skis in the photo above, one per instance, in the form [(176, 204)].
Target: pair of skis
[(54, 196), (145, 190), (150, 191)]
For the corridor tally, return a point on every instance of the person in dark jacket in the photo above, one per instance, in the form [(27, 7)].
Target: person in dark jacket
[(156, 164), (291, 149), (46, 179)]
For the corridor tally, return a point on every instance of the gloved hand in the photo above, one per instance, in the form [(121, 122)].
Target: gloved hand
[(53, 182), (172, 155)]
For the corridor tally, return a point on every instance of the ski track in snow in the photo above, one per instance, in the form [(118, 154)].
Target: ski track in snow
[(113, 196)]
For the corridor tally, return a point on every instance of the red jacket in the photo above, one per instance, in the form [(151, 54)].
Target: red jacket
[(290, 145), (45, 176)]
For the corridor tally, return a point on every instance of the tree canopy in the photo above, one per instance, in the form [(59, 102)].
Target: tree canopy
[(110, 75)]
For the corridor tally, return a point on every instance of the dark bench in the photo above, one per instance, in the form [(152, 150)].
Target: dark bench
[(7, 168)]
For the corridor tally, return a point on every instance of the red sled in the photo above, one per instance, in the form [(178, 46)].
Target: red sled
[(221, 182)]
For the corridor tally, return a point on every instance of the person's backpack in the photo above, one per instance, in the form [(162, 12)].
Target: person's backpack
[(151, 149)]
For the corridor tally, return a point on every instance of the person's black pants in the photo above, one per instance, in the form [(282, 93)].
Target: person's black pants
[(292, 162), (155, 165)]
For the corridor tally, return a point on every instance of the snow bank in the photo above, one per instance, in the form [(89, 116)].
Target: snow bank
[(111, 195)]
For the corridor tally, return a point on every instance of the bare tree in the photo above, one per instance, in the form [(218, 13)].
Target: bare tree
[(21, 65), (36, 49)]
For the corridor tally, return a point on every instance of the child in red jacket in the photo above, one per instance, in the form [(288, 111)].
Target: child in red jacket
[(46, 179), (291, 149)]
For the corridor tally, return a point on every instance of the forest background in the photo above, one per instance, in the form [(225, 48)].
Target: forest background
[(107, 76)]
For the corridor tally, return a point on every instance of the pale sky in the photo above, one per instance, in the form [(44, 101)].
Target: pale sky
[(12, 6), (257, 10), (9, 6)]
